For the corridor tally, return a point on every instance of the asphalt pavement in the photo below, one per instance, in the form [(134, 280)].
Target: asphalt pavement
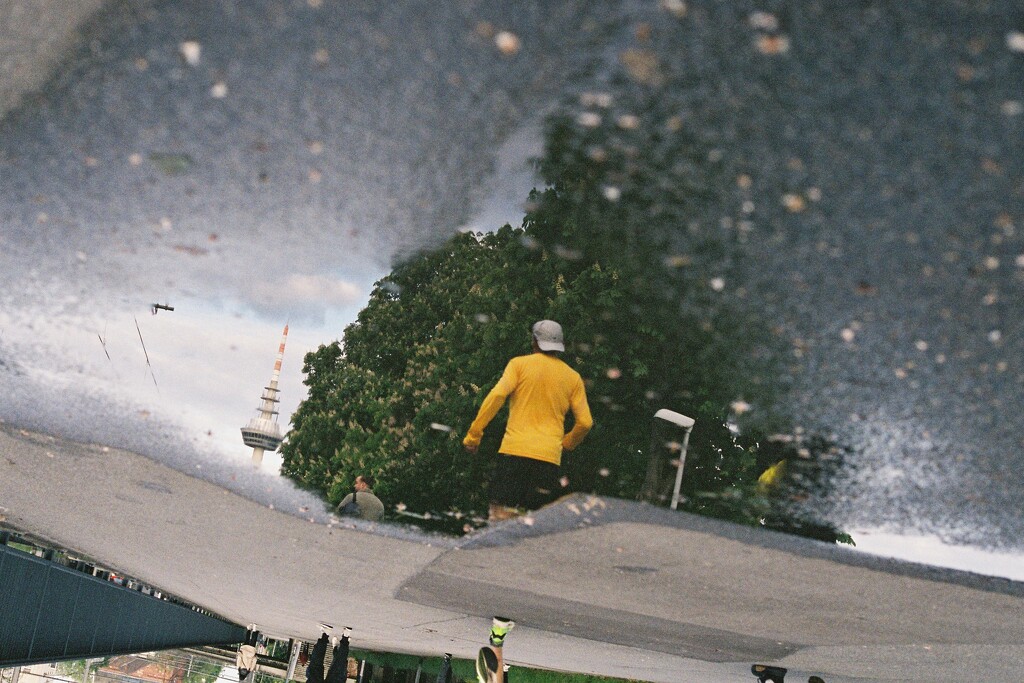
[(596, 585)]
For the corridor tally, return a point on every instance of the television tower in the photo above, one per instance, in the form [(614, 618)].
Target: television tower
[(263, 433)]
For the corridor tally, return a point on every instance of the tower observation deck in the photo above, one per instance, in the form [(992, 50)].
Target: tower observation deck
[(263, 433)]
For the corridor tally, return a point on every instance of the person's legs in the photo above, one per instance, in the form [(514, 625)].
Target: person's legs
[(488, 665), (521, 483), (315, 670), (445, 674), (542, 485), (490, 662), (338, 673), (505, 489)]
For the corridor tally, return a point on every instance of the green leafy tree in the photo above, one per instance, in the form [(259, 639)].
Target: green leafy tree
[(395, 397)]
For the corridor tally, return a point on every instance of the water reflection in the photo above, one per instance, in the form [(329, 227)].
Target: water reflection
[(274, 179)]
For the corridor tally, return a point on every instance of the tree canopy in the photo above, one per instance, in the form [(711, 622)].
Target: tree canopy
[(395, 396)]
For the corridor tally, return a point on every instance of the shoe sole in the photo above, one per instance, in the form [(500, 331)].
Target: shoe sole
[(487, 666)]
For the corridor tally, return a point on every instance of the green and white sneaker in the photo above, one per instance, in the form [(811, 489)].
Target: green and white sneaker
[(487, 666), (500, 626)]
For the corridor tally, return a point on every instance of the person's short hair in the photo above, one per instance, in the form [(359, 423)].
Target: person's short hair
[(368, 479)]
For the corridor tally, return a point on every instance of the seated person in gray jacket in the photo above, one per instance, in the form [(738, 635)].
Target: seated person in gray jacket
[(361, 502)]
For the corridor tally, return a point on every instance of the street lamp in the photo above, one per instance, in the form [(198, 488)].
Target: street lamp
[(678, 421)]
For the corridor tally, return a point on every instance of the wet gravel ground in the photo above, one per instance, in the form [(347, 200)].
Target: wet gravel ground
[(875, 156), (867, 158)]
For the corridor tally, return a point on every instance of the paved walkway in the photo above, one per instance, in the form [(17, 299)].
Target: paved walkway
[(597, 585)]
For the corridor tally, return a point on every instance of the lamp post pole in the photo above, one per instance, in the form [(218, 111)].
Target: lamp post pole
[(685, 423), (679, 471)]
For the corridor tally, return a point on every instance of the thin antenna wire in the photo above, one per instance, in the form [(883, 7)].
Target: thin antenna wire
[(150, 365)]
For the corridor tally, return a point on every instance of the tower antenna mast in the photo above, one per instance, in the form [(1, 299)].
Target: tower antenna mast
[(263, 433)]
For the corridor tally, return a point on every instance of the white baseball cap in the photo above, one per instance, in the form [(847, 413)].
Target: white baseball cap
[(548, 334)]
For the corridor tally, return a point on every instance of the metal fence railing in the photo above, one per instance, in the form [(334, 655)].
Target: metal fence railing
[(50, 612)]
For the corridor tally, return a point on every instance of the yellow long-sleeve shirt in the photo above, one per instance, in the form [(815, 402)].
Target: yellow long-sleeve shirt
[(541, 389)]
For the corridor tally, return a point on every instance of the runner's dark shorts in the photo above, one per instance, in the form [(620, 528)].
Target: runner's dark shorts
[(524, 482)]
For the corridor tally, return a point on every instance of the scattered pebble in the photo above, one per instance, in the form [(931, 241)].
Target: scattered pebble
[(680, 260), (990, 299), (740, 406), (564, 482), (613, 373), (763, 21), (1012, 108), (219, 90), (171, 163), (794, 203), (628, 122), (135, 159), (508, 43), (482, 318), (440, 427), (141, 63), (814, 194), (315, 4), (604, 472), (315, 176), (995, 336), (676, 8), (612, 193), (191, 51), (596, 99), (321, 56), (1019, 260), (772, 45), (717, 284), (315, 147), (566, 253), (1015, 41), (847, 335), (921, 345), (642, 66), (992, 263), (589, 119), (528, 521)]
